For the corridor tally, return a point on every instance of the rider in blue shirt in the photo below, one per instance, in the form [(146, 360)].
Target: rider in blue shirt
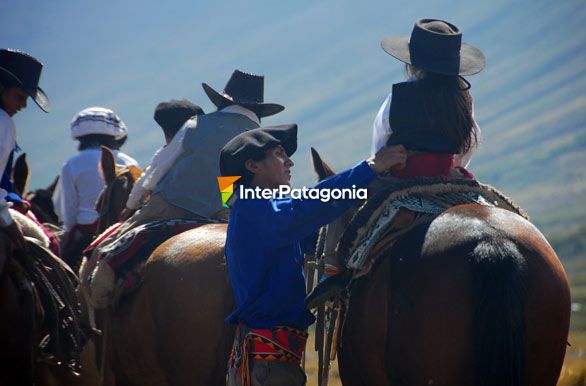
[(263, 245)]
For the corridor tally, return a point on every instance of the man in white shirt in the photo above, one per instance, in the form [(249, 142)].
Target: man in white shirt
[(80, 182)]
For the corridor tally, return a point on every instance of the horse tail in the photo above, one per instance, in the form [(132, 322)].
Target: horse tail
[(498, 275)]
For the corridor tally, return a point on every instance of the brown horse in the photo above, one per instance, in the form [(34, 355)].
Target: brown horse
[(21, 330), (119, 181), (475, 297), (171, 330)]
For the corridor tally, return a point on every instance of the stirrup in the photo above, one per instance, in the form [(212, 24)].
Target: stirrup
[(326, 290)]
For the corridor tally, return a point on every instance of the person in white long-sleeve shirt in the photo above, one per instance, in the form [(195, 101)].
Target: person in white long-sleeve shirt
[(80, 182), (431, 115), (429, 91), (170, 116), (19, 79), (382, 130)]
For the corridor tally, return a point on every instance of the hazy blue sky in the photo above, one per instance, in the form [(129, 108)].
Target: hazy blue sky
[(321, 59)]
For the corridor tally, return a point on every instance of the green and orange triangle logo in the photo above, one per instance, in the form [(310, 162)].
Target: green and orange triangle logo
[(226, 185)]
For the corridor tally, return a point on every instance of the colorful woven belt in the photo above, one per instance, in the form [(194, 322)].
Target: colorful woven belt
[(280, 344)]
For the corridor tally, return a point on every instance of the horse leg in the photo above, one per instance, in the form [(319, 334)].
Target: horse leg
[(429, 326), (15, 337), (361, 356), (194, 339), (133, 339)]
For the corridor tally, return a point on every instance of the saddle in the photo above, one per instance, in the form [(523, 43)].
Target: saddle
[(47, 288), (397, 206), (119, 266)]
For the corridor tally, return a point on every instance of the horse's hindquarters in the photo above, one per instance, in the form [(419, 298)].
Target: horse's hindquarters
[(440, 302), (547, 318), (171, 330)]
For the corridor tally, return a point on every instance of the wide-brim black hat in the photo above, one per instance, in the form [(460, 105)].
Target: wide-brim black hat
[(246, 90), (25, 71), (435, 46), (253, 143)]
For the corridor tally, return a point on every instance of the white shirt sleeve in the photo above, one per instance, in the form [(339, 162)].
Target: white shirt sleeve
[(381, 128), (5, 217), (138, 191), (162, 161), (65, 198)]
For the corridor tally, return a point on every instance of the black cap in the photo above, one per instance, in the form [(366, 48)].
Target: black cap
[(171, 115), (255, 142)]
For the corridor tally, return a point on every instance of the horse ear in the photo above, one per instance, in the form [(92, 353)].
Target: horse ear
[(108, 165), (51, 188), (20, 174), (135, 171), (322, 169)]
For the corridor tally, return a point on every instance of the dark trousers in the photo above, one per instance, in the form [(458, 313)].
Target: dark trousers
[(269, 373)]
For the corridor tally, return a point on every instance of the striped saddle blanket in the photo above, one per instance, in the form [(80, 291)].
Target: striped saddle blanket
[(426, 197)]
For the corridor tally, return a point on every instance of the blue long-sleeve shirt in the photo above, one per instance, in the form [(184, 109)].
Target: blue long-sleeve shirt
[(263, 251)]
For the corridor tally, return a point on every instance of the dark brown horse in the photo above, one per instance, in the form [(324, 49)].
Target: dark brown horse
[(21, 330), (40, 199), (475, 297)]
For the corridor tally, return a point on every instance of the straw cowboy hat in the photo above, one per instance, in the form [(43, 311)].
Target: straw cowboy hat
[(25, 71), (246, 90), (435, 46)]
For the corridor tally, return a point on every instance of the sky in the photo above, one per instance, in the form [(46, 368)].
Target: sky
[(321, 59)]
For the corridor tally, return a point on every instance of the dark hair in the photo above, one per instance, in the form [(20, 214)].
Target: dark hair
[(120, 142), (6, 82), (247, 175), (92, 141), (446, 104)]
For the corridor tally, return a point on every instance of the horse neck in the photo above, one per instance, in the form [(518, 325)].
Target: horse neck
[(113, 199), (334, 231), (42, 206)]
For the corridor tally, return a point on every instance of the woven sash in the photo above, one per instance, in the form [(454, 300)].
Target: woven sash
[(280, 344)]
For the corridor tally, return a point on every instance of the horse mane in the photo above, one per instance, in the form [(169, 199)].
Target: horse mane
[(20, 174)]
